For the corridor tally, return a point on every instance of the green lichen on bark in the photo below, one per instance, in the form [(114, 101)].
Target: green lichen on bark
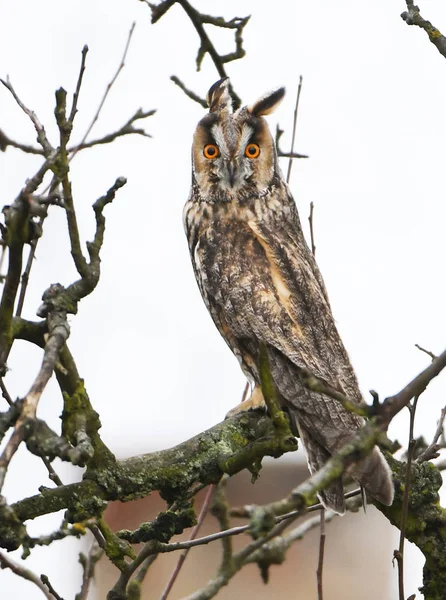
[(426, 521)]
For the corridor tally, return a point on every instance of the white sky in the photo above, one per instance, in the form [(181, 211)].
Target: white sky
[(371, 119)]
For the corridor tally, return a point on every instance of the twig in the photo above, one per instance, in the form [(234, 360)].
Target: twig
[(5, 392), (126, 129), (413, 17), (78, 85), (88, 565), (189, 93), (432, 450), (399, 554), (41, 134), (107, 91), (193, 535), (220, 510), (25, 277), (293, 136), (281, 153), (6, 141), (428, 352), (310, 219), (21, 571), (51, 472), (394, 404), (281, 544), (320, 566), (52, 591), (198, 20)]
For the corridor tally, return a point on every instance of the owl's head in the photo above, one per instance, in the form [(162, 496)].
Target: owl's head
[(233, 154)]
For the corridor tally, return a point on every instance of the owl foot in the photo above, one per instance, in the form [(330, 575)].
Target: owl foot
[(254, 402)]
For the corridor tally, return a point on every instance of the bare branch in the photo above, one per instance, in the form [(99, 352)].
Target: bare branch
[(320, 565), (293, 135), (6, 141), (78, 85), (193, 535), (428, 352), (413, 17), (399, 554), (198, 20), (433, 448), (189, 93), (5, 392), (88, 566), (280, 152), (41, 134), (126, 129), (394, 404), (21, 571), (107, 91), (52, 591), (310, 220)]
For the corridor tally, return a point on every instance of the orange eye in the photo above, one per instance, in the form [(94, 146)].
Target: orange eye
[(211, 151), (252, 150)]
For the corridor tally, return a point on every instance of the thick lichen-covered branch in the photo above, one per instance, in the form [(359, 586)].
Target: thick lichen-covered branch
[(172, 472)]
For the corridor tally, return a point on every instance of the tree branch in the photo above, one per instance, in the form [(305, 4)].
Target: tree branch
[(413, 17)]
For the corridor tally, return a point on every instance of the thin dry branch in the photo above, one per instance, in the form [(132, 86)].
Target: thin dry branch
[(126, 129), (311, 222), (193, 535), (293, 135), (6, 141), (78, 85), (320, 564), (399, 554), (199, 20), (53, 594), (41, 134), (432, 451), (24, 573), (281, 153), (88, 564), (106, 93)]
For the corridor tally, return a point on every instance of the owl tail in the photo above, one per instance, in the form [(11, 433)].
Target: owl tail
[(333, 495), (373, 473)]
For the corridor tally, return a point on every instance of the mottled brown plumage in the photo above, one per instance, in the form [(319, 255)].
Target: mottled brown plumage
[(261, 284)]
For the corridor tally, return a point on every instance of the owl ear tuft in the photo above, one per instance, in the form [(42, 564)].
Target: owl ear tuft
[(218, 96), (267, 103)]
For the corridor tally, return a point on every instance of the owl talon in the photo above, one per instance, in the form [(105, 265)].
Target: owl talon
[(254, 402)]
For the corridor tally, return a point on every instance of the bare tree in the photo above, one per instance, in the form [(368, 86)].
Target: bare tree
[(206, 460)]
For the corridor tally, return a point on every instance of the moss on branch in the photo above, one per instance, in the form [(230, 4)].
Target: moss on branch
[(172, 472)]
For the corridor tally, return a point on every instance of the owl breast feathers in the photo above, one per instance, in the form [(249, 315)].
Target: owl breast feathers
[(262, 286)]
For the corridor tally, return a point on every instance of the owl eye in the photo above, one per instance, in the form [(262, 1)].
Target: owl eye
[(252, 150), (211, 151)]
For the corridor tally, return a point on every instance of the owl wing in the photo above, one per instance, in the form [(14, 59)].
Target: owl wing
[(260, 286)]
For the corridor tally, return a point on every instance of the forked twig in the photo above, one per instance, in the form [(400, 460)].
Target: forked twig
[(21, 571), (107, 91), (433, 448)]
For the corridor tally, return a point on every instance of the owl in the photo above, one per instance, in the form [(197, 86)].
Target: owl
[(263, 288)]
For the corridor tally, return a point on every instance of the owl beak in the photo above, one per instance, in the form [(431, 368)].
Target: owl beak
[(231, 174)]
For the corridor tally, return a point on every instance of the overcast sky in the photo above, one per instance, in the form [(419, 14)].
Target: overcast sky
[(372, 121)]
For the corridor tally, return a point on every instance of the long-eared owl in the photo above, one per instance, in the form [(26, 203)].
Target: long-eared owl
[(262, 286)]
